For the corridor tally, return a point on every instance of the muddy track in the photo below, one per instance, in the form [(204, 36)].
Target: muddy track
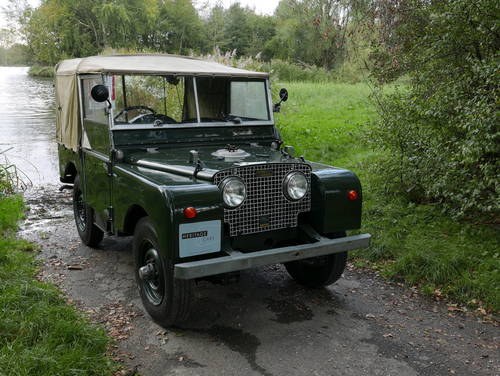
[(263, 324)]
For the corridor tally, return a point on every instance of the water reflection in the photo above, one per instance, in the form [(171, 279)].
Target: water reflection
[(27, 124)]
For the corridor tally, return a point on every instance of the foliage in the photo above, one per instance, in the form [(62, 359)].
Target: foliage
[(312, 31), (414, 243), (280, 70), (441, 133), (41, 71), (422, 246), (16, 54), (235, 28), (180, 25), (11, 178), (287, 71), (60, 29), (306, 33), (39, 333)]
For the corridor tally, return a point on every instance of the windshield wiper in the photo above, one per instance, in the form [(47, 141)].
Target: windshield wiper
[(233, 118)]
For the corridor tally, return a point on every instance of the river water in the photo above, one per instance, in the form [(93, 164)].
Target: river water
[(27, 126)]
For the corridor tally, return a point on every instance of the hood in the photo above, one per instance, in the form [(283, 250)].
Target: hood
[(204, 162)]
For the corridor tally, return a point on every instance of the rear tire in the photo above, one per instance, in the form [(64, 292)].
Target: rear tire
[(90, 234), (318, 271), (166, 299)]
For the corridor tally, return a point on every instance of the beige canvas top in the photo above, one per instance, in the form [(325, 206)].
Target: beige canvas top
[(150, 64), (68, 127)]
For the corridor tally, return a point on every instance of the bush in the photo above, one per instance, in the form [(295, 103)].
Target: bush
[(280, 70), (441, 133), (41, 71)]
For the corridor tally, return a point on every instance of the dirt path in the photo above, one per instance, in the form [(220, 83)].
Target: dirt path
[(264, 324)]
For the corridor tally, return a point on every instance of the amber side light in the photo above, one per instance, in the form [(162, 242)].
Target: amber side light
[(190, 212), (352, 195)]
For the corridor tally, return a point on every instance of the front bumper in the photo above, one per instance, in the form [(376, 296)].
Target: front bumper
[(239, 261)]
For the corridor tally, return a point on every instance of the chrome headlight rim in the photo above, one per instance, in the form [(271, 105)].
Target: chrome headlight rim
[(225, 184), (286, 186)]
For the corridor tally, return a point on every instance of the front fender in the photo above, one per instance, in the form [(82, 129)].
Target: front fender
[(331, 210), (205, 198)]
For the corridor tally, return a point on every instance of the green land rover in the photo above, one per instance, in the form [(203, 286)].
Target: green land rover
[(183, 154)]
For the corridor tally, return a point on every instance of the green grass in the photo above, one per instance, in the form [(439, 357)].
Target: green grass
[(39, 333), (326, 121), (417, 244)]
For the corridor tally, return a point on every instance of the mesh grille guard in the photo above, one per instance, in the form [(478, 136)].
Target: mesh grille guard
[(266, 208)]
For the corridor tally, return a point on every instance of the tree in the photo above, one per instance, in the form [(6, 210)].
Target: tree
[(183, 25), (312, 31), (61, 28), (15, 54), (237, 30), (263, 29), (241, 30), (215, 27), (441, 132)]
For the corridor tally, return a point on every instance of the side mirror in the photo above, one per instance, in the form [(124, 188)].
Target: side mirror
[(283, 98), (283, 95), (99, 93)]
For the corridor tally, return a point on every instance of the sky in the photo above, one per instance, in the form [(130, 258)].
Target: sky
[(259, 6), (3, 3)]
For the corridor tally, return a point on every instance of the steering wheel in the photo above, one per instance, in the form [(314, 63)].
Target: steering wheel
[(144, 118), (131, 108)]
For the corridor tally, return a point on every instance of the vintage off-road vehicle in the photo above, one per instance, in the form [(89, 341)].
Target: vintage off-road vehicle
[(183, 154)]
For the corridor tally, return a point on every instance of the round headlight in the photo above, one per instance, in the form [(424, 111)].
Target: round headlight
[(234, 191), (295, 186)]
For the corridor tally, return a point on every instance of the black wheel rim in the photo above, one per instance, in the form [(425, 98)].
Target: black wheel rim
[(153, 285), (81, 219)]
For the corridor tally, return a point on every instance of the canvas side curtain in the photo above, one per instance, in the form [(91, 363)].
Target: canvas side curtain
[(67, 113)]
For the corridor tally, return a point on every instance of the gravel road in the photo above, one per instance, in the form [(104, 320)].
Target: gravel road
[(264, 323)]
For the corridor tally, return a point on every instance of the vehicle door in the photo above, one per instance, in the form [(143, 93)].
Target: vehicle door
[(96, 147)]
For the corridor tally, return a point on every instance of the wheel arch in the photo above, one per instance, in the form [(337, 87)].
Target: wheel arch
[(70, 173), (134, 214)]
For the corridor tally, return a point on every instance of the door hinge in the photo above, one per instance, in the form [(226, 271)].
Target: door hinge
[(109, 169), (109, 222)]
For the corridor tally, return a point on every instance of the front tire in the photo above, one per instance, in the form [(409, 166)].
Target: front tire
[(320, 271), (90, 234), (165, 298)]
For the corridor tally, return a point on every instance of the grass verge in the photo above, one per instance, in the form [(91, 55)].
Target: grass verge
[(39, 333), (416, 244)]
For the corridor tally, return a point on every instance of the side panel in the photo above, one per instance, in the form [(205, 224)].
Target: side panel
[(97, 185), (96, 147)]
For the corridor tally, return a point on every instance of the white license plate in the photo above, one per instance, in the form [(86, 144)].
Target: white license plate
[(199, 238)]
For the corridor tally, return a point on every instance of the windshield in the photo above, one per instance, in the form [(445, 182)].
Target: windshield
[(171, 100)]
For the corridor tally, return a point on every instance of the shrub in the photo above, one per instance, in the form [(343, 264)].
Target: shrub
[(441, 132)]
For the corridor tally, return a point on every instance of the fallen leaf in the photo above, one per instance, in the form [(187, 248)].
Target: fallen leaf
[(481, 311)]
